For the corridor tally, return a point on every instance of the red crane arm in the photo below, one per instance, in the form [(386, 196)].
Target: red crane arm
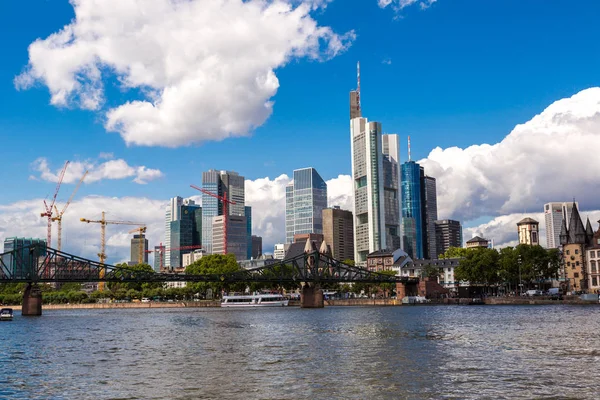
[(60, 179), (223, 199)]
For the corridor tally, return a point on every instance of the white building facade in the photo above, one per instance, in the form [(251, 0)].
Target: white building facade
[(367, 173), (553, 216)]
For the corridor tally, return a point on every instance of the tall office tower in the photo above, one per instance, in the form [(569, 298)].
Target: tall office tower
[(248, 214), (138, 241), (338, 232), (412, 214), (159, 258), (306, 197), (428, 214), (237, 237), (367, 173), (11, 262), (256, 246), (355, 110), (220, 182), (553, 214), (171, 214), (448, 233), (186, 230), (391, 189)]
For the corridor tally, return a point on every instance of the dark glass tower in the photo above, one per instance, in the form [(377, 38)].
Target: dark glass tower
[(412, 227)]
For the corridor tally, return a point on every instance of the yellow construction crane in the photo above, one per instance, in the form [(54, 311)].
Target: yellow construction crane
[(103, 222), (59, 215), (141, 230)]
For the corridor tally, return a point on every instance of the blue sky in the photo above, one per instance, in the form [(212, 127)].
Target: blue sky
[(459, 73)]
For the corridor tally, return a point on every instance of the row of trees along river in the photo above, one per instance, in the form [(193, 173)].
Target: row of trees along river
[(507, 267)]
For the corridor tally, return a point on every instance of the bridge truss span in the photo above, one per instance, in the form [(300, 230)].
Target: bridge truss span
[(40, 264)]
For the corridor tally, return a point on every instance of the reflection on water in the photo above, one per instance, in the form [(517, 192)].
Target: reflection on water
[(452, 352)]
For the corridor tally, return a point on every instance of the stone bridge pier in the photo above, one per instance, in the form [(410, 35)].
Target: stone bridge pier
[(311, 297), (32, 301)]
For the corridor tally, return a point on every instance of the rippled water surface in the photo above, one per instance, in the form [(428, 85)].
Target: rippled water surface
[(452, 352)]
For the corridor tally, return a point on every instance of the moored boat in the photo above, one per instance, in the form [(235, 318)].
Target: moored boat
[(255, 300), (6, 314)]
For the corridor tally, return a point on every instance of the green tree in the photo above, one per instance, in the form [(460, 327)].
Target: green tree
[(387, 288), (480, 266), (214, 264), (455, 252), (138, 286)]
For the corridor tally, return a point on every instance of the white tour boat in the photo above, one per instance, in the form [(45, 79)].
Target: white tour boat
[(255, 300)]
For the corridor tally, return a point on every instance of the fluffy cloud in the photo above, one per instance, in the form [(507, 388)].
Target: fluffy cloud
[(503, 229), (549, 158), (400, 4), (200, 69), (265, 195), (23, 219), (111, 169)]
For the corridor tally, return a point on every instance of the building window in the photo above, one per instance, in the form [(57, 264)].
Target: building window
[(577, 263), (568, 252), (576, 251), (594, 281), (576, 275), (592, 254), (593, 264), (568, 263)]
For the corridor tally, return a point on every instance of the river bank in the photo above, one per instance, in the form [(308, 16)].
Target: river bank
[(572, 300)]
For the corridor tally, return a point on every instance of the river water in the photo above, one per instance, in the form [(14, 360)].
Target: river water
[(422, 352)]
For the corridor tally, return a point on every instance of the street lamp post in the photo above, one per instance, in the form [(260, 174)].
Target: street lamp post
[(520, 281)]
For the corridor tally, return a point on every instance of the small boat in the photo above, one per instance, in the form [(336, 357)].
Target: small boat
[(255, 300), (6, 314), (415, 300)]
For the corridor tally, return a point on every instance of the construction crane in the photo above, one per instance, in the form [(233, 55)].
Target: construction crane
[(49, 208), (141, 230), (103, 222), (161, 251), (225, 202), (59, 214)]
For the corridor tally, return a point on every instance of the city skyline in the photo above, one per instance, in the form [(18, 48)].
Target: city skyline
[(133, 181)]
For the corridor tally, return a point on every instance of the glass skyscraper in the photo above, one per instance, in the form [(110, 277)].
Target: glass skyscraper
[(221, 183), (184, 230), (412, 224), (306, 197)]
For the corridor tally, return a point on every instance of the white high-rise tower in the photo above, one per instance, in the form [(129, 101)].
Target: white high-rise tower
[(367, 173), (553, 216)]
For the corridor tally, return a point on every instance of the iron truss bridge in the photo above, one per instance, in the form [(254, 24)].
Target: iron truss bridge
[(40, 264)]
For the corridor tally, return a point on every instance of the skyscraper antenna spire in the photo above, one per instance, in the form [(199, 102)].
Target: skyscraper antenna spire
[(409, 148), (358, 85)]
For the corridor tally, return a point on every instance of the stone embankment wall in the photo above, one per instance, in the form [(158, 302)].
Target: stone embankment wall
[(535, 300), (153, 304), (364, 302)]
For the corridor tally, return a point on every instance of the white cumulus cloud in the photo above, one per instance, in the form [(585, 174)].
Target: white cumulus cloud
[(549, 158), (22, 219), (198, 70), (503, 229), (400, 4), (111, 169)]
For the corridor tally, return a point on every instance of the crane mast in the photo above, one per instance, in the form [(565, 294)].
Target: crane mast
[(49, 208), (103, 222)]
